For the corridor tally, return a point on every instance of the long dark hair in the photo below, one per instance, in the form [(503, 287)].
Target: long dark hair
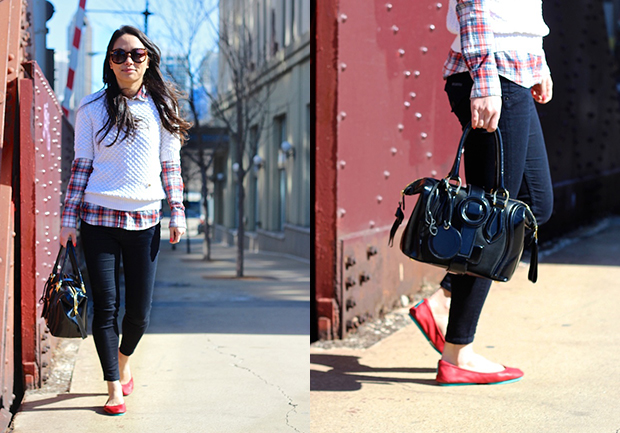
[(165, 94)]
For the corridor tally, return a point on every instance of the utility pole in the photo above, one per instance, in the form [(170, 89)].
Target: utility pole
[(145, 12)]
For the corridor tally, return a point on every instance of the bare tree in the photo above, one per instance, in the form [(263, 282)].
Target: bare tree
[(184, 32), (240, 104)]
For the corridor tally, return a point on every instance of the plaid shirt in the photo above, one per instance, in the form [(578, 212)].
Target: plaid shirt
[(484, 65), (129, 220)]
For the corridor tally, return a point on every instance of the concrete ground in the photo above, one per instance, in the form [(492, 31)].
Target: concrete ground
[(220, 355), (560, 331)]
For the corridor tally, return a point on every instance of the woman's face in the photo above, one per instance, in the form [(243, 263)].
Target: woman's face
[(130, 73)]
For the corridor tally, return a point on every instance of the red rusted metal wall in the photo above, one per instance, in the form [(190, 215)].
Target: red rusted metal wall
[(11, 55), (40, 193), (382, 121), (30, 191)]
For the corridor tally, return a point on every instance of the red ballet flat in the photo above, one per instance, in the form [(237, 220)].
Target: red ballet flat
[(423, 317), (451, 375), (115, 410), (128, 387)]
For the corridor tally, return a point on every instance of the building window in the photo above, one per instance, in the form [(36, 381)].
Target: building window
[(292, 25), (274, 39), (280, 136), (258, 33), (265, 27), (255, 211), (285, 36)]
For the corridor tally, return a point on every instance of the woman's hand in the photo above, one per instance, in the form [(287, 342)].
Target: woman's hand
[(175, 234), (67, 233), (485, 112), (543, 91)]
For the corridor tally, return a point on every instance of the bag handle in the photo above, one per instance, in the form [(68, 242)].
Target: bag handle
[(499, 160), (70, 252)]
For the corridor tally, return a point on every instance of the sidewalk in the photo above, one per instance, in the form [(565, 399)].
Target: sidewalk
[(560, 331), (220, 355)]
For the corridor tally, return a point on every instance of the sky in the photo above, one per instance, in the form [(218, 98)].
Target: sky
[(104, 24)]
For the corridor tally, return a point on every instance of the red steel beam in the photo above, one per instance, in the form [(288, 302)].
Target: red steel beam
[(326, 76)]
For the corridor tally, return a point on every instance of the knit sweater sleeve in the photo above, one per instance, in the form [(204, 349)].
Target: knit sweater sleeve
[(169, 146), (477, 47), (84, 131)]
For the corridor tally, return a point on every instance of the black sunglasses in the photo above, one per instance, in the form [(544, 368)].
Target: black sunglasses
[(138, 55)]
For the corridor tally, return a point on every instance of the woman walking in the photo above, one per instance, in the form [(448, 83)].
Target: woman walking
[(127, 140), (495, 70)]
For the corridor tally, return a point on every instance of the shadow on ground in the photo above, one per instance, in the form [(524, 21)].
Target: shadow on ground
[(347, 374)]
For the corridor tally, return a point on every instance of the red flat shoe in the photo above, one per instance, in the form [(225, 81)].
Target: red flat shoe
[(451, 375), (128, 387), (423, 317), (115, 410)]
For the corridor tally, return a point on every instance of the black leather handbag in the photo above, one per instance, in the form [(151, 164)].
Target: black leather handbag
[(465, 229), (64, 298)]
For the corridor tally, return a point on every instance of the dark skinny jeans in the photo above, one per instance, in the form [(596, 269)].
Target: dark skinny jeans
[(526, 177), (103, 249)]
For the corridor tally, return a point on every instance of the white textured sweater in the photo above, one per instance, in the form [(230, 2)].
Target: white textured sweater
[(516, 25), (126, 175)]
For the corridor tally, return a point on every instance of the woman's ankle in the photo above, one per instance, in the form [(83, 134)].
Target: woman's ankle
[(439, 302), (115, 393), (124, 368)]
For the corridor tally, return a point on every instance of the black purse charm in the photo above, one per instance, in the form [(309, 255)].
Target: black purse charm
[(64, 298), (465, 229)]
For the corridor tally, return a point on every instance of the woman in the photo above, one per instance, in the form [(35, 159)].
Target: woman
[(495, 71), (126, 136)]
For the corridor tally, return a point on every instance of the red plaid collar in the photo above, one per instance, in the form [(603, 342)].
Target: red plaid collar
[(141, 95)]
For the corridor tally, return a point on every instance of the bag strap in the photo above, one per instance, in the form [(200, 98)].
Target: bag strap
[(499, 159), (70, 252), (81, 325), (74, 263)]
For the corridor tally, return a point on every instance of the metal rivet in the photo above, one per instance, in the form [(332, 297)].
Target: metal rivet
[(439, 5), (393, 150), (343, 18), (388, 6), (431, 27), (401, 127), (423, 135), (342, 212), (343, 164), (401, 52), (424, 50), (379, 199), (407, 104), (395, 29), (412, 95), (407, 74), (343, 66), (418, 115), (386, 174), (429, 155)]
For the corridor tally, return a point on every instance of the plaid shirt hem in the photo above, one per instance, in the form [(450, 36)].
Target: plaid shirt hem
[(484, 65), (128, 220)]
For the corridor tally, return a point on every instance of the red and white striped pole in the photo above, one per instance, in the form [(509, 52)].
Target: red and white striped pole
[(73, 57)]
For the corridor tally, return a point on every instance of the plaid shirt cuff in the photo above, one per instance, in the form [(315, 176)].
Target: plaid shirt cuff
[(80, 172), (486, 82), (173, 185)]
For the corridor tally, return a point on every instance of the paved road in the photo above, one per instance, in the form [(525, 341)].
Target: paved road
[(221, 355), (561, 332)]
